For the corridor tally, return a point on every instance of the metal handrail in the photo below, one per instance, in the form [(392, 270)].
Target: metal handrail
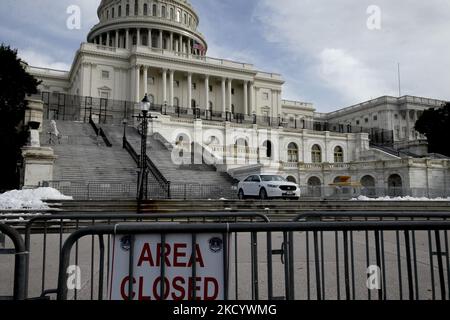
[(157, 174)]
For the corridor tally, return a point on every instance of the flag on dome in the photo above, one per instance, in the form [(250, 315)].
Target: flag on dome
[(199, 47)]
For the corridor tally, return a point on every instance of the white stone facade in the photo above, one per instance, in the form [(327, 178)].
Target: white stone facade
[(154, 47)]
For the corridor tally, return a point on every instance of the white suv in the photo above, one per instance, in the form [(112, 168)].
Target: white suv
[(267, 186)]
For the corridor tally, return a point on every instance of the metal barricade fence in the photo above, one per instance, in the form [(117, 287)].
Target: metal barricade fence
[(44, 237), (322, 260), (411, 263), (20, 257)]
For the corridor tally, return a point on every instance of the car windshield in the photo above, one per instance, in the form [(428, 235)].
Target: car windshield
[(272, 178)]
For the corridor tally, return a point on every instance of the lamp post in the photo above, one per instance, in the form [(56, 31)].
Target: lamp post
[(143, 173)]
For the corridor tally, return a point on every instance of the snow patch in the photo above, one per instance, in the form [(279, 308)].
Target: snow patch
[(407, 198), (30, 198)]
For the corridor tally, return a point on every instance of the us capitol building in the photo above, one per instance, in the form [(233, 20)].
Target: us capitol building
[(232, 111)]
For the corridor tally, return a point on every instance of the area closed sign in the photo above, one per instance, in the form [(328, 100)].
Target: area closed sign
[(149, 253)]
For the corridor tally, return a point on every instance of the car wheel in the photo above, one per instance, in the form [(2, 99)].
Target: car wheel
[(241, 194), (263, 194)]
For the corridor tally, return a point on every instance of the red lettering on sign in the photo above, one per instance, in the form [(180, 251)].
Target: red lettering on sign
[(198, 258), (156, 287), (124, 285), (142, 297), (177, 285), (177, 254), (191, 288), (146, 255), (159, 254), (215, 284)]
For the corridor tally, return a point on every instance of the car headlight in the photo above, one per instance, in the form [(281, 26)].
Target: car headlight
[(272, 186)]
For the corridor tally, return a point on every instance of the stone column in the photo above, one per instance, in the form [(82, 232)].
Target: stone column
[(164, 80), (138, 84), (127, 39), (252, 98), (117, 38), (180, 47), (145, 79), (161, 43), (189, 96), (171, 81), (246, 97), (138, 37), (101, 39), (171, 42), (206, 92), (224, 96), (107, 39), (230, 95)]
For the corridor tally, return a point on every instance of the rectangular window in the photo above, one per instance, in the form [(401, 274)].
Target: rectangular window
[(210, 88), (105, 74), (177, 83), (232, 91), (357, 122), (151, 81), (375, 118), (265, 96), (194, 86)]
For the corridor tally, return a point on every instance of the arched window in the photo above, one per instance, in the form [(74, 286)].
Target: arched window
[(338, 155), (120, 11), (163, 12), (314, 187), (127, 10), (314, 182), (316, 154), (193, 104), (291, 179), (113, 11), (268, 145), (172, 14), (176, 102), (145, 9), (232, 109), (136, 7), (155, 10), (368, 183), (292, 152), (395, 185)]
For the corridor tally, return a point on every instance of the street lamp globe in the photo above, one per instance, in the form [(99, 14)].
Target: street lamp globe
[(145, 104)]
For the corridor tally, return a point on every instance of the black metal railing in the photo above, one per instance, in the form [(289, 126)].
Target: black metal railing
[(99, 132), (61, 106), (161, 180), (20, 262)]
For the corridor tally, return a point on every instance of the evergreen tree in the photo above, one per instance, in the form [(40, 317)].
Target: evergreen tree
[(435, 125), (15, 85)]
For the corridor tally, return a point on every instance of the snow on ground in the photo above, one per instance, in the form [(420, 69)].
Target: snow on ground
[(407, 198), (29, 199)]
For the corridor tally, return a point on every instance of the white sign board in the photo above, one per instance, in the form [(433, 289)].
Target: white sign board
[(178, 281)]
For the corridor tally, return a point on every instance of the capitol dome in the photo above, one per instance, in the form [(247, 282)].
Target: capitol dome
[(159, 24)]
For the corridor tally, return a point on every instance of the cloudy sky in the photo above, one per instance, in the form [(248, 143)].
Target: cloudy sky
[(323, 48)]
